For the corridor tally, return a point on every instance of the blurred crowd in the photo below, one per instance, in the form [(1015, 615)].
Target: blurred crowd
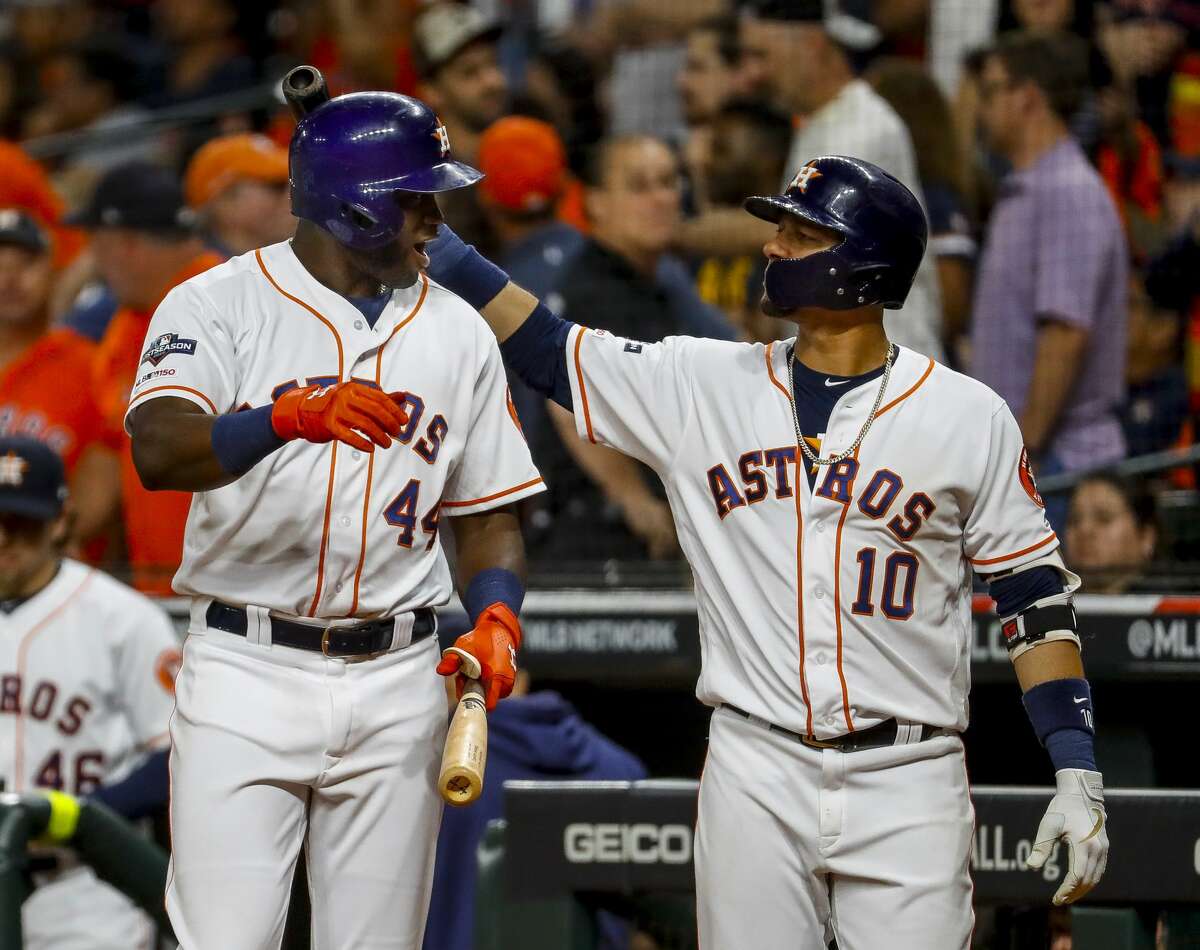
[(1055, 145)]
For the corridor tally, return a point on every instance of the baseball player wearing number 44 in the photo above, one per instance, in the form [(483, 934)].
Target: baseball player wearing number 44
[(834, 494), (327, 403)]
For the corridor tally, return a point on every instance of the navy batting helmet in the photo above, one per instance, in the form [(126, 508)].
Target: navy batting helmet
[(883, 233), (350, 155)]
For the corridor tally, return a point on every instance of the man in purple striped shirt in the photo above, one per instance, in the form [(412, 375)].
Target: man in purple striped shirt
[(1051, 299)]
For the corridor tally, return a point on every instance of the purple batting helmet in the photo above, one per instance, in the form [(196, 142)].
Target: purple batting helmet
[(883, 233), (350, 155)]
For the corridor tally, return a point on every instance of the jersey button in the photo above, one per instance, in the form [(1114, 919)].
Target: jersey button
[(820, 592), (820, 527), (344, 521), (356, 455), (820, 658), (358, 324), (338, 587)]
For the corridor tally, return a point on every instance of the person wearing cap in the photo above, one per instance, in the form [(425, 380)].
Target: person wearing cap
[(144, 242), (91, 664), (238, 187), (799, 53), (34, 361), (454, 50), (525, 171)]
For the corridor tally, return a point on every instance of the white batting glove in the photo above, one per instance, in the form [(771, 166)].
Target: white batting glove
[(1076, 814)]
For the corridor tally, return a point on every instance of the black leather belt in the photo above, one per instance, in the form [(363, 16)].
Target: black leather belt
[(878, 736), (361, 639)]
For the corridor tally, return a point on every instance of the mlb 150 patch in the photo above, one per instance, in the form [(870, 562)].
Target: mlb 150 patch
[(166, 345)]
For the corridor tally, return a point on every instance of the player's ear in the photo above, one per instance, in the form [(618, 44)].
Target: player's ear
[(63, 527)]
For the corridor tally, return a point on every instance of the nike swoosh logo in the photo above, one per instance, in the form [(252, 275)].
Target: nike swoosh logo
[(1099, 824), (1079, 699), (840, 382)]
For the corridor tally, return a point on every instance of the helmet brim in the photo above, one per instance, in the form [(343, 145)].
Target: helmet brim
[(773, 207), (446, 176)]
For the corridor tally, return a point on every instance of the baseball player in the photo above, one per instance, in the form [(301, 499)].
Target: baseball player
[(834, 494), (86, 673), (331, 408)]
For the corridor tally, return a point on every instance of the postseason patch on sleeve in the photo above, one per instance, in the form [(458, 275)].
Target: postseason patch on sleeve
[(168, 344)]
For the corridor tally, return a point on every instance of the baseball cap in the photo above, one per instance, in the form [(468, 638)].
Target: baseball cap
[(19, 229), (444, 30), (140, 196), (846, 21), (524, 163), (231, 158), (33, 482)]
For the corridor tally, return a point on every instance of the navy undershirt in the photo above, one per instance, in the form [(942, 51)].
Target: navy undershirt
[(816, 395), (371, 307)]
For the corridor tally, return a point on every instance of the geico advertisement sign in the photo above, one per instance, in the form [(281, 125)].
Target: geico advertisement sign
[(585, 843)]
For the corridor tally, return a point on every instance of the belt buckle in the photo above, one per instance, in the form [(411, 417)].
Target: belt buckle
[(325, 643)]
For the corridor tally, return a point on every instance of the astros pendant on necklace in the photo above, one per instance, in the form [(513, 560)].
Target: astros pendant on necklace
[(834, 459)]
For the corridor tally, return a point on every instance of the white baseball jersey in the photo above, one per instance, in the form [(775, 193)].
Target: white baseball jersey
[(326, 530), (87, 668), (828, 610)]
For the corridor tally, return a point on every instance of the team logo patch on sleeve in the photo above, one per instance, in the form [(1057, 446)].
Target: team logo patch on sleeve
[(1025, 473), (166, 345)]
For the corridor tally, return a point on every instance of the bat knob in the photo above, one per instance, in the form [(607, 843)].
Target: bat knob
[(301, 80), (461, 785)]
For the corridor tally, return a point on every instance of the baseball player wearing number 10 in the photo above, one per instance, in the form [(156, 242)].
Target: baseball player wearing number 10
[(327, 404), (834, 494)]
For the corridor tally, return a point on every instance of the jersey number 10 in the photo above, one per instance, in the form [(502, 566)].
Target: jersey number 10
[(899, 584)]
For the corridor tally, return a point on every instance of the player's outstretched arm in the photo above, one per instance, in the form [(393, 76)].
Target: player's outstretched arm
[(179, 447), (532, 339), (491, 581)]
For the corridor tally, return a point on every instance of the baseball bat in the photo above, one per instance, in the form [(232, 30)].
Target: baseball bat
[(460, 780), (304, 89)]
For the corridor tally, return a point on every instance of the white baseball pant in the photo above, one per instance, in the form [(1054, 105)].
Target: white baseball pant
[(795, 844)]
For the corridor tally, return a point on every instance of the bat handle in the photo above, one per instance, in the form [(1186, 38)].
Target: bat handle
[(304, 90)]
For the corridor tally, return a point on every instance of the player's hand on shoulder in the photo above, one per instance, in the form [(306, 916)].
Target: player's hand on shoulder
[(493, 643), (1076, 815), (351, 412)]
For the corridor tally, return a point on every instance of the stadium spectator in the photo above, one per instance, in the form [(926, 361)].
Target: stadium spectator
[(526, 171), (1111, 534), (909, 89), (531, 736), (238, 187), (205, 51), (24, 184), (44, 373), (1050, 16), (710, 77), (642, 41), (1129, 159), (1051, 300), (144, 243), (92, 88), (455, 54), (601, 504), (750, 142), (795, 56), (1156, 404)]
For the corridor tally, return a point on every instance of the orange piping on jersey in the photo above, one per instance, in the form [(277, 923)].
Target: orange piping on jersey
[(837, 602), (185, 389), (362, 547), (499, 494), (312, 607), (1008, 557), (908, 392), (774, 379), (800, 584), (22, 653), (587, 416)]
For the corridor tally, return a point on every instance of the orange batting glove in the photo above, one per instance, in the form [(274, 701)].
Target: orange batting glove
[(351, 412), (493, 643)]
